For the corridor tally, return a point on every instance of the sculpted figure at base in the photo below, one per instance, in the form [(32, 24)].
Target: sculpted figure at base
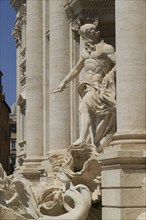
[(97, 89), (17, 195), (71, 189)]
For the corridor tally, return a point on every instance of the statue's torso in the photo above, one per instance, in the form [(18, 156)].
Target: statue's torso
[(96, 63)]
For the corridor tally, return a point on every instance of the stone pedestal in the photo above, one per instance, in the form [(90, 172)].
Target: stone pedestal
[(122, 178), (124, 162)]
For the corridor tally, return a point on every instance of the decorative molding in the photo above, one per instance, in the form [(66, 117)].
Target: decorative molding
[(23, 53), (22, 99), (20, 20), (22, 156), (16, 33), (16, 4), (22, 145), (90, 9), (75, 25), (23, 79)]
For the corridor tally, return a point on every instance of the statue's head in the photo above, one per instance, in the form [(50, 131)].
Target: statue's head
[(88, 31)]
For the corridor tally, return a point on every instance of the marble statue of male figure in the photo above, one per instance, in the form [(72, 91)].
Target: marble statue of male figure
[(97, 90)]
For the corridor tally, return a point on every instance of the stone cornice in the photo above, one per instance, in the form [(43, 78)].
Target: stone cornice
[(16, 4), (90, 9)]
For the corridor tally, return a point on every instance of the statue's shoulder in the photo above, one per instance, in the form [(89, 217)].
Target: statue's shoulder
[(84, 54), (108, 49), (83, 51)]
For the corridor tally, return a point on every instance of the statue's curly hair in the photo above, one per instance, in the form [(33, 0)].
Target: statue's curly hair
[(85, 29)]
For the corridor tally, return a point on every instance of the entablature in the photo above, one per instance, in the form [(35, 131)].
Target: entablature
[(99, 12), (90, 9)]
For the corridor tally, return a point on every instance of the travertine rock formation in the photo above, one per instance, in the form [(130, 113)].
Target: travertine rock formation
[(9, 214), (72, 186)]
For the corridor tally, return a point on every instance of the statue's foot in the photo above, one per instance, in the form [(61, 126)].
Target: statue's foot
[(78, 141)]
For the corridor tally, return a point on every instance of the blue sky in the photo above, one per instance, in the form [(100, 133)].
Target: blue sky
[(7, 51)]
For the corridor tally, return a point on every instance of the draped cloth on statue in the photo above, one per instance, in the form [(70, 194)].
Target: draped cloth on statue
[(100, 99)]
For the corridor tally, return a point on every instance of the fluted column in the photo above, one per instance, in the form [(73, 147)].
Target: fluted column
[(131, 69), (45, 5), (34, 84), (123, 162), (59, 68), (74, 97), (18, 49)]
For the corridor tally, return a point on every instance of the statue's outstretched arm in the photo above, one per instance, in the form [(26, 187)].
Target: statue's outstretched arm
[(71, 75)]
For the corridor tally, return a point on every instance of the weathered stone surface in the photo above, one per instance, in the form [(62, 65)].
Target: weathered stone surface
[(124, 197), (9, 214), (124, 177), (120, 214), (72, 185)]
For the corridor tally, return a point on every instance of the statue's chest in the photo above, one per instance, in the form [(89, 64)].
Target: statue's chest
[(98, 54)]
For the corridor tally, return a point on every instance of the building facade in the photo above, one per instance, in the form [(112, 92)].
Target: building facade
[(4, 130), (36, 54), (13, 132), (48, 46)]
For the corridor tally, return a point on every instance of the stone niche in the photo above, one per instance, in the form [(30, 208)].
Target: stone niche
[(90, 10)]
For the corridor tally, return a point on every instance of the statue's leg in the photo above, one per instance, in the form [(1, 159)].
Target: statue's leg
[(85, 123)]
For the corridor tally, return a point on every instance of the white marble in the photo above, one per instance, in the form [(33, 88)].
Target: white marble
[(124, 160), (34, 81), (66, 193), (131, 65), (59, 113), (97, 89)]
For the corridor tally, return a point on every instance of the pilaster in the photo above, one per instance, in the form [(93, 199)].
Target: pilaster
[(124, 161), (19, 35)]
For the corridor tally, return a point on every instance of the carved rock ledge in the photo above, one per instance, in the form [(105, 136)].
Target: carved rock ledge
[(71, 188)]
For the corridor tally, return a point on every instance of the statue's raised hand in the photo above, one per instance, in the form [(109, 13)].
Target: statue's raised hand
[(60, 88)]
